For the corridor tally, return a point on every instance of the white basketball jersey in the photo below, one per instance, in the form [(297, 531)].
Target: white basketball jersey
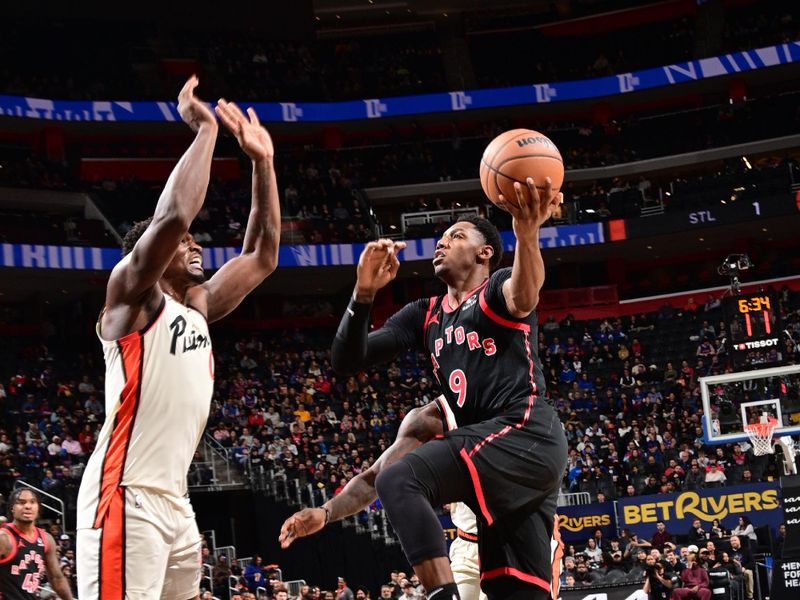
[(463, 517), (158, 389)]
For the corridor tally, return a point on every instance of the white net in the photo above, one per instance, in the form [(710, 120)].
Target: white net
[(760, 435)]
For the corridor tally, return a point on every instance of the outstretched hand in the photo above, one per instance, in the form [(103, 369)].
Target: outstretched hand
[(251, 135), (534, 208), (194, 111), (377, 266), (301, 524)]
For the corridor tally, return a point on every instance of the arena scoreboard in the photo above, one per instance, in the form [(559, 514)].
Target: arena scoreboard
[(754, 328)]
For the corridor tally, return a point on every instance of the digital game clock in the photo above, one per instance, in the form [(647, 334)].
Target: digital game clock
[(754, 328)]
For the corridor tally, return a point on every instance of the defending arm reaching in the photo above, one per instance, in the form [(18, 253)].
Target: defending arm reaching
[(353, 348), (521, 290), (419, 426)]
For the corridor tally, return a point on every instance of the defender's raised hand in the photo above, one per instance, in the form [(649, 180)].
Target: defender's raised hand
[(377, 266), (252, 137), (534, 208), (194, 112)]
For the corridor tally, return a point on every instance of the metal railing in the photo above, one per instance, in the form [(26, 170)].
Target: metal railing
[(60, 512), (574, 499)]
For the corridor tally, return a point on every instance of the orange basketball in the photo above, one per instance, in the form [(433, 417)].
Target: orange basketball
[(516, 155)]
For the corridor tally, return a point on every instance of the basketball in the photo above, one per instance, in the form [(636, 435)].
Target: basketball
[(516, 155)]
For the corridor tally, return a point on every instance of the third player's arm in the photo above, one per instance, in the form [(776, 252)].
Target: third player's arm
[(259, 256), (6, 545), (55, 577), (419, 426), (521, 290), (177, 207)]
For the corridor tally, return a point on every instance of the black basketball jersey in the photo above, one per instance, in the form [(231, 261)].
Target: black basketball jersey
[(485, 360), (24, 567)]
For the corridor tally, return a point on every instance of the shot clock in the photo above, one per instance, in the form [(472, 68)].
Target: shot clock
[(754, 328)]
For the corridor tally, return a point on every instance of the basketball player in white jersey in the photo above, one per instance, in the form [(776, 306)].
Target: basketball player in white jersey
[(418, 426), (137, 537)]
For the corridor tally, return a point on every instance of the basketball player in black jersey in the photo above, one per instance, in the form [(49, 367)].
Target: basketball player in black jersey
[(28, 552), (505, 453)]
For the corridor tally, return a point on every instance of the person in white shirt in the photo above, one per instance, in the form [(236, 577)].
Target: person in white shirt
[(745, 528)]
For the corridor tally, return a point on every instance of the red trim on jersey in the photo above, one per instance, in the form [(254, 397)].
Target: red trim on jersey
[(428, 319), (131, 350), (112, 549), (497, 318), (558, 554), (13, 553), (18, 531), (476, 483), (512, 572), (466, 535), (446, 299)]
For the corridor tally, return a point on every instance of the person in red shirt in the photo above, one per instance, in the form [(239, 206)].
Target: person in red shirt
[(694, 580), (661, 536)]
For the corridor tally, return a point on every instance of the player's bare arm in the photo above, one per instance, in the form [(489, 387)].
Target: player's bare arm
[(238, 277), (55, 577), (133, 294), (419, 426), (6, 545), (521, 290)]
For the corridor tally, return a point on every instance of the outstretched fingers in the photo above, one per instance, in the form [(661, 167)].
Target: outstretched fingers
[(187, 91)]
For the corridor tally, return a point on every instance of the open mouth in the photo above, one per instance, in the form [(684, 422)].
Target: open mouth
[(197, 261)]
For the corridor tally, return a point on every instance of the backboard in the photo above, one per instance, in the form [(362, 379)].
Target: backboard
[(733, 399)]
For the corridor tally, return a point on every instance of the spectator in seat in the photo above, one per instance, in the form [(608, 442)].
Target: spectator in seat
[(660, 537), (657, 585), (694, 580), (696, 535), (744, 558), (254, 573), (343, 592), (717, 530), (592, 552), (780, 540), (731, 566), (745, 528), (695, 478), (714, 475), (582, 575)]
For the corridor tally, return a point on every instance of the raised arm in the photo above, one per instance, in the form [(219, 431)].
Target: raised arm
[(55, 576), (419, 426), (138, 273), (521, 290), (259, 256), (354, 347)]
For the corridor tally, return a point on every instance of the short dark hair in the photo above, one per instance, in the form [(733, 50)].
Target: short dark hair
[(489, 233), (13, 498), (133, 235)]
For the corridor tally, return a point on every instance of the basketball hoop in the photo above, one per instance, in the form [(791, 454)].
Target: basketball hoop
[(760, 435)]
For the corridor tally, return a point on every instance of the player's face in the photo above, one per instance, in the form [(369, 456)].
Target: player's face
[(26, 508), (459, 249), (188, 261)]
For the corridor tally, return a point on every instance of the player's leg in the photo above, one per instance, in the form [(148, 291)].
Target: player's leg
[(182, 579), (465, 565), (125, 558), (430, 476)]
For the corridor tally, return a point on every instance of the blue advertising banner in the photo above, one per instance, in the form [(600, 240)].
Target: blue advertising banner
[(38, 256), (577, 523), (759, 501), (378, 108)]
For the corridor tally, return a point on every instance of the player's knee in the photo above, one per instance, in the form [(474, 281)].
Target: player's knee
[(395, 483)]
